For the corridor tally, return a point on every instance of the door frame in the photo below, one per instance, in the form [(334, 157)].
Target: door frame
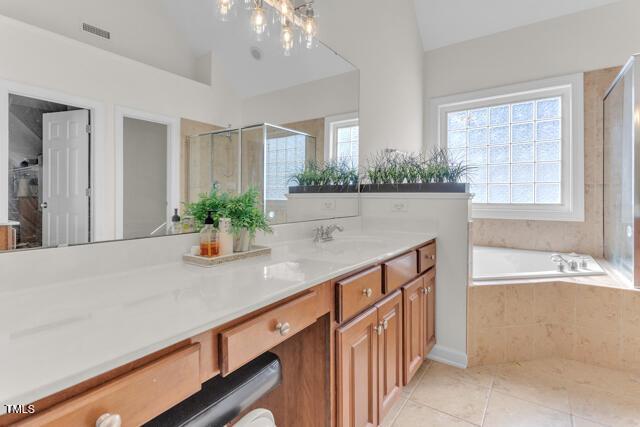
[(98, 219), (173, 159)]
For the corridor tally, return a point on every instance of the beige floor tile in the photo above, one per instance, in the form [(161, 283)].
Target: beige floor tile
[(393, 413), (452, 396), (527, 384), (409, 388), (613, 381), (507, 411), (605, 408), (480, 375), (581, 422), (416, 415)]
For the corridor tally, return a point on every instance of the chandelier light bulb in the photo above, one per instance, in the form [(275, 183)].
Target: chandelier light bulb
[(258, 19), (309, 28), (224, 9), (286, 38)]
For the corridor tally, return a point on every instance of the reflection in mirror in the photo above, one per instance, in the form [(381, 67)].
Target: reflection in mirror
[(106, 138)]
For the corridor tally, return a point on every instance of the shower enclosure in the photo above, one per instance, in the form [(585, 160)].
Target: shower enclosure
[(261, 156), (621, 177)]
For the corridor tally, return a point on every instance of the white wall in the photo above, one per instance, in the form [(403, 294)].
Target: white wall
[(381, 39), (80, 70), (447, 215), (593, 39), (321, 98)]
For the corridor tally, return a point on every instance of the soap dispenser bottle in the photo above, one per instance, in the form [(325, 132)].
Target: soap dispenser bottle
[(209, 245), (175, 223)]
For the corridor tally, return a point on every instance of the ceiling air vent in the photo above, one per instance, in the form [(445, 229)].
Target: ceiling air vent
[(96, 31)]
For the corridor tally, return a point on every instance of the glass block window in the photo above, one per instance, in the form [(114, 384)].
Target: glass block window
[(346, 141), (513, 149), (284, 156)]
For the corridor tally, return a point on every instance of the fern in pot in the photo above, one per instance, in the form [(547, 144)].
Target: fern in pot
[(246, 218)]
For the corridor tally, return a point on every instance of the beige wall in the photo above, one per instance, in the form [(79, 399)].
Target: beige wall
[(564, 236), (314, 127)]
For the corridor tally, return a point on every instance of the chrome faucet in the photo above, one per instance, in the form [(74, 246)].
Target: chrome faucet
[(561, 262), (325, 234)]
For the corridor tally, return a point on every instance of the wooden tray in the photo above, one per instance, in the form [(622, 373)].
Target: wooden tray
[(222, 259)]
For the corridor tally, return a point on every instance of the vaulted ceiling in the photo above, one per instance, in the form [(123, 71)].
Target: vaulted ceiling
[(179, 36), (445, 22)]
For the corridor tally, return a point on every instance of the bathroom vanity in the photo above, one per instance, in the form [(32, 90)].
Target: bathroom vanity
[(351, 321)]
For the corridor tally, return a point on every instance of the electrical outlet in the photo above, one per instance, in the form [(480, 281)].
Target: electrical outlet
[(399, 207), (329, 205)]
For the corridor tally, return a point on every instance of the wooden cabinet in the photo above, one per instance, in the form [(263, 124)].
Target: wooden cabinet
[(136, 397), (400, 270), (426, 257), (357, 292), (389, 352), (357, 371), (430, 292), (414, 327), (249, 339), (369, 364)]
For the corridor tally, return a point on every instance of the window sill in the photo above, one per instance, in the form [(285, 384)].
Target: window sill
[(528, 213)]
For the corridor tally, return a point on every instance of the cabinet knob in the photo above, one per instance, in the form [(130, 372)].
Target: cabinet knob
[(109, 420), (424, 290), (385, 324), (431, 257), (283, 328), (379, 329), (367, 292), (429, 290)]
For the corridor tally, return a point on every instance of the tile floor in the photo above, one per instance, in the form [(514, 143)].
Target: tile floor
[(539, 393)]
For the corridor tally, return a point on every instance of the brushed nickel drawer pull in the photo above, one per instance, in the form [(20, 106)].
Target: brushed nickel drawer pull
[(283, 328), (367, 292)]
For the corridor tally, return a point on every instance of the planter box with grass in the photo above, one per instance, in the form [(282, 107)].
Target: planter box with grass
[(314, 189), (429, 187)]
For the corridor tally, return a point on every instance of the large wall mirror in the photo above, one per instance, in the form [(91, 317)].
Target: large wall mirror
[(113, 114)]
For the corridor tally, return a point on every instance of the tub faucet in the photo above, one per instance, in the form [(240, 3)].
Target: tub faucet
[(561, 262), (325, 234)]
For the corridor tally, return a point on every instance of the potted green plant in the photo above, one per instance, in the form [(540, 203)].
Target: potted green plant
[(392, 171), (246, 219), (243, 211), (330, 177)]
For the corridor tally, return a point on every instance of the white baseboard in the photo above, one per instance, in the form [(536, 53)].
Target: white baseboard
[(448, 356)]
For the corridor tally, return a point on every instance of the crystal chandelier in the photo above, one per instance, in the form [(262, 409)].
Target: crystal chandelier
[(291, 18)]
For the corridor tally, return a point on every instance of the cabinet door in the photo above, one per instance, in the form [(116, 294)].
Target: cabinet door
[(414, 327), (430, 333), (389, 352), (357, 371)]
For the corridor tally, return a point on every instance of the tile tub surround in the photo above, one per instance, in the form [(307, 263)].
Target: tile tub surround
[(599, 325), (59, 334), (547, 392)]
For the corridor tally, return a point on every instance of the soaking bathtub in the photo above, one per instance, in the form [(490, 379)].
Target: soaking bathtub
[(490, 264)]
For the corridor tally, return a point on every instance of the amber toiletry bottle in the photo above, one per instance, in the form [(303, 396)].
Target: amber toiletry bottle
[(209, 245)]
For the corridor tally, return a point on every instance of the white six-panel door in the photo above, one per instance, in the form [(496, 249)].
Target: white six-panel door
[(65, 207)]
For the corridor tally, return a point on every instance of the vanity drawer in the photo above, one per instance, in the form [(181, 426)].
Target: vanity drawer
[(242, 343), (400, 270), (427, 257), (358, 292), (136, 397)]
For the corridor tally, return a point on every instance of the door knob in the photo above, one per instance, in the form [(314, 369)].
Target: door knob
[(44, 205), (109, 420), (283, 328)]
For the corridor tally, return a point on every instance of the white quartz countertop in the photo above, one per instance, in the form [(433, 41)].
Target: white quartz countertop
[(57, 335)]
